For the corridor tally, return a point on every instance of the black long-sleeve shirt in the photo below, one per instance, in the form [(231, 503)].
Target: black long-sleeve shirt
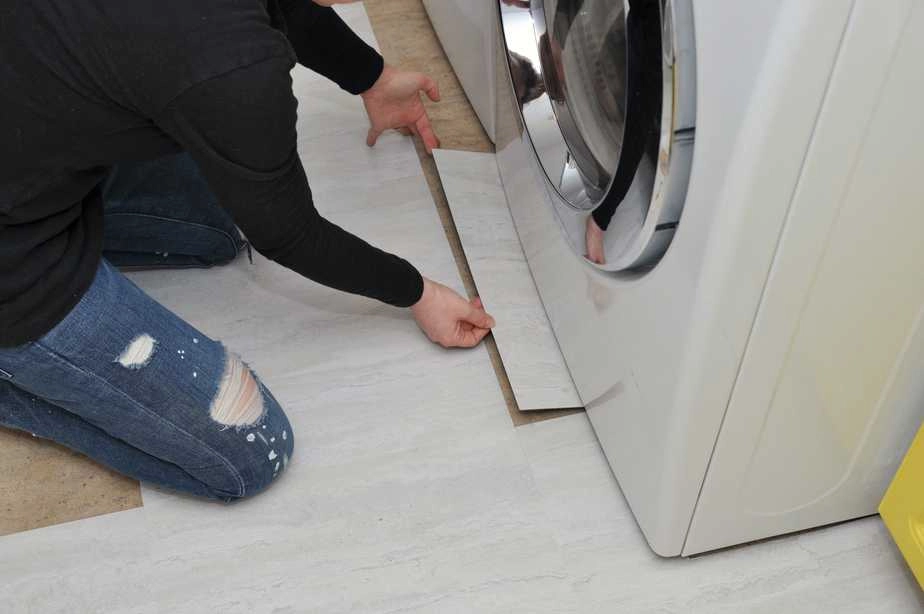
[(84, 85)]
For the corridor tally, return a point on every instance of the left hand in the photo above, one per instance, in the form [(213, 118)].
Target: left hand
[(393, 102)]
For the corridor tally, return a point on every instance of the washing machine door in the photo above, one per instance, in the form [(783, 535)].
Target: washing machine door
[(595, 84)]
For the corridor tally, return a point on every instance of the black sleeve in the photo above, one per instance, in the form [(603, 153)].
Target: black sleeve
[(643, 103), (326, 45), (240, 129)]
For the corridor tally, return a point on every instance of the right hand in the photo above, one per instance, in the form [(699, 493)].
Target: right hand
[(393, 102), (450, 320), (594, 242)]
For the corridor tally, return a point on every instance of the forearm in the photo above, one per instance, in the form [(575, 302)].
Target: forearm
[(326, 45), (296, 236), (240, 129)]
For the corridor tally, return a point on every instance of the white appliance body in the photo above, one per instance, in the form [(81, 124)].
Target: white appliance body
[(766, 375)]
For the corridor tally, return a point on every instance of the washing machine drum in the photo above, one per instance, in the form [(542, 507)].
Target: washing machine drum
[(590, 78)]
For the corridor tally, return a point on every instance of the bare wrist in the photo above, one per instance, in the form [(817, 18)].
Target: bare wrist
[(426, 294), (386, 69)]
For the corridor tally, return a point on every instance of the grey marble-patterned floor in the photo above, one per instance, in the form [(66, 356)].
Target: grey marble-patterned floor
[(527, 345), (410, 491)]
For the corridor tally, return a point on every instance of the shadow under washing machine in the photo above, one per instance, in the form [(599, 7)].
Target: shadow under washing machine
[(748, 338)]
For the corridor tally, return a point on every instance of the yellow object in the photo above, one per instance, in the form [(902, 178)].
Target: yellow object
[(902, 508)]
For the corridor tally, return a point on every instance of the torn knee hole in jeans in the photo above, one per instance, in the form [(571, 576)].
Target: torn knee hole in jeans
[(239, 400)]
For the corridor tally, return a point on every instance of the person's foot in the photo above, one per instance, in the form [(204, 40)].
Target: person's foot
[(593, 238)]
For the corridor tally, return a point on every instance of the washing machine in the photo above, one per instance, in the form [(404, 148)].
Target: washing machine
[(748, 340)]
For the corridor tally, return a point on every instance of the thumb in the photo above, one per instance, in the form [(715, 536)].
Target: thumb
[(372, 137), (480, 318), (430, 87), (471, 338)]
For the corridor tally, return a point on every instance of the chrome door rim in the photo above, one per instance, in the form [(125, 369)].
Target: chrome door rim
[(645, 244)]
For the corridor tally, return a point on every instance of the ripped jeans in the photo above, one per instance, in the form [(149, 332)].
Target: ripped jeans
[(130, 384)]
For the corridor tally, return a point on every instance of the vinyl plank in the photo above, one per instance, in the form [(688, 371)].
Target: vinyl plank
[(527, 345), (409, 41)]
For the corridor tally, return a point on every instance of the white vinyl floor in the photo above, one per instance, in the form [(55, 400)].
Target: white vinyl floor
[(410, 490)]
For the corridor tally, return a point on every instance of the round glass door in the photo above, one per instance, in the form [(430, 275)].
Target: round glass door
[(568, 63), (608, 113)]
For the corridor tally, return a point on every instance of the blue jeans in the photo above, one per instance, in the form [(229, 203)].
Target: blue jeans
[(161, 213), (130, 384)]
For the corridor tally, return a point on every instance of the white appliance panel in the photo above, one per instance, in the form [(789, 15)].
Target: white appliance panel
[(827, 397), (655, 355)]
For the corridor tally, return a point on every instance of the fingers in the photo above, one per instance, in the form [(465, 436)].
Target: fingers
[(471, 328), (594, 259), (372, 137), (426, 133), (407, 130), (471, 338), (430, 87), (476, 302), (480, 318)]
